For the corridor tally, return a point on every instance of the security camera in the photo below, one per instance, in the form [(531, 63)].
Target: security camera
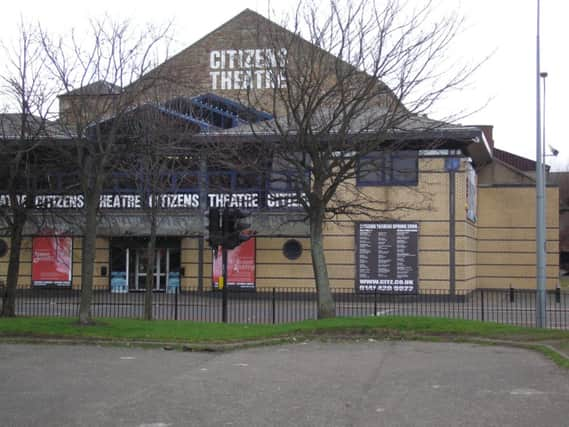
[(554, 151)]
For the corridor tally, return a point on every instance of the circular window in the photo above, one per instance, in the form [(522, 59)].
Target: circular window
[(3, 247), (292, 249)]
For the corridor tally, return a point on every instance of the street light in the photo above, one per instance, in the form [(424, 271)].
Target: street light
[(539, 192), (543, 76)]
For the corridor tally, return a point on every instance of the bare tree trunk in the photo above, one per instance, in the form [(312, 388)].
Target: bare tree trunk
[(326, 306), (9, 297), (87, 259), (151, 262)]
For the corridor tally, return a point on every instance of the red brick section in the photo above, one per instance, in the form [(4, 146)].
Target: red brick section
[(514, 160)]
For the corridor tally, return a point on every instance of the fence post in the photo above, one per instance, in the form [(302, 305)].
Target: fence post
[(511, 294), (557, 295), (225, 290), (482, 304), (176, 304), (274, 306), (375, 301)]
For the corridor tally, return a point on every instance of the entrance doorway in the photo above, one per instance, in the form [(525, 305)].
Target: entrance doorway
[(138, 261), (129, 266)]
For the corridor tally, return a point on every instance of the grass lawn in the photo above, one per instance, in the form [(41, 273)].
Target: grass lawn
[(195, 332)]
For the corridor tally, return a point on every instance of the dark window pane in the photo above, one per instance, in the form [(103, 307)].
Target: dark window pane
[(187, 181), (248, 181), (388, 168), (70, 183), (372, 169), (404, 167), (280, 182), (219, 181), (124, 183)]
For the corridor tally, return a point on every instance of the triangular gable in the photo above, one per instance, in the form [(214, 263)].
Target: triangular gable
[(219, 62), (237, 56)]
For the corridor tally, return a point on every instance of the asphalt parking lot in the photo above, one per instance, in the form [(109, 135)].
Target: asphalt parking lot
[(304, 384)]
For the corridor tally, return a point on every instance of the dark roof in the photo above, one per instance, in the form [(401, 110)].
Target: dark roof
[(35, 127), (519, 162), (209, 112), (100, 87)]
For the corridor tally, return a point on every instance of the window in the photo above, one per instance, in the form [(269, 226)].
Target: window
[(220, 181), (286, 175), (70, 182), (188, 181), (46, 183), (123, 183), (247, 181), (388, 168), (292, 249)]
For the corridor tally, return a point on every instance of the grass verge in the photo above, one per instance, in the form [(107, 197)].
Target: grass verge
[(195, 332), (559, 360), (201, 336)]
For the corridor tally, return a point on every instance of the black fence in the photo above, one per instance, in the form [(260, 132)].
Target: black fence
[(282, 305)]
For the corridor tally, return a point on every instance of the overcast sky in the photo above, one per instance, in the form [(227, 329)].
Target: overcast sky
[(504, 87)]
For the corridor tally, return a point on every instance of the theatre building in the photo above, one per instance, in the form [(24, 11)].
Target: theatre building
[(471, 225)]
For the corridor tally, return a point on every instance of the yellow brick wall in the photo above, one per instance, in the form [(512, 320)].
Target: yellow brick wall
[(506, 238), (102, 252), (497, 251), (189, 257)]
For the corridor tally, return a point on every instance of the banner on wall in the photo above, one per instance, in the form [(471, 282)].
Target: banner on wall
[(51, 261), (471, 196), (240, 267), (387, 257)]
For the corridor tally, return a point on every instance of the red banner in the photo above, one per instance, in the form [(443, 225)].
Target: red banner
[(51, 261), (240, 266)]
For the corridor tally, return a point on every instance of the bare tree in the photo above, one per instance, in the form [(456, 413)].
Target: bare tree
[(92, 72), (351, 82), (22, 133), (157, 144)]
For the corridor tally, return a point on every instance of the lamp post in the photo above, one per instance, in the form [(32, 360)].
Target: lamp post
[(540, 190), (543, 75)]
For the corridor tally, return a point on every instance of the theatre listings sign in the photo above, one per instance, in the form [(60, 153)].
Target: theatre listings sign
[(387, 257), (165, 201), (234, 69)]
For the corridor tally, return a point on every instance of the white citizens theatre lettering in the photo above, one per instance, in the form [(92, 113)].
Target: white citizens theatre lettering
[(247, 69), (163, 201)]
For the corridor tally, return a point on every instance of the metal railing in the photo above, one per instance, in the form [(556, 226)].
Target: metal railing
[(282, 305)]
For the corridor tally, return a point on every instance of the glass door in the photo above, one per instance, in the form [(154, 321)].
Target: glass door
[(140, 264), (161, 263), (128, 265)]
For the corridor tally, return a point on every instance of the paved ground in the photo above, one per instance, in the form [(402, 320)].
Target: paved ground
[(305, 384)]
